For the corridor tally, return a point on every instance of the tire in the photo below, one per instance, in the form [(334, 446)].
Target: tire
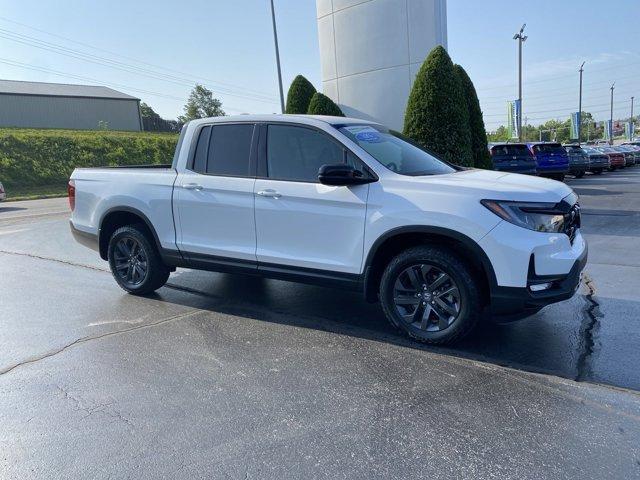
[(134, 261), (397, 284), (579, 175)]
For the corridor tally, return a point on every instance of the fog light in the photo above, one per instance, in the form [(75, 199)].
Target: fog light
[(540, 286)]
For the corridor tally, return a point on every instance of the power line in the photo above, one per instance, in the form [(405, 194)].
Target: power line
[(61, 50), (566, 90), (27, 66), (556, 77), (234, 86), (625, 102)]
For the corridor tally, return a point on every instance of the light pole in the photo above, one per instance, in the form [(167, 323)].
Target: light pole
[(580, 106), (521, 39), (275, 40), (631, 123), (611, 116)]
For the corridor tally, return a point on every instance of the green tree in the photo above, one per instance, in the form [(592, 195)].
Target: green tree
[(322, 105), (201, 104), (500, 135), (299, 95), (479, 147), (436, 115), (147, 112)]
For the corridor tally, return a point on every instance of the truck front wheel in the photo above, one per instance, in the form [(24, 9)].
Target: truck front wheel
[(431, 294), (135, 262)]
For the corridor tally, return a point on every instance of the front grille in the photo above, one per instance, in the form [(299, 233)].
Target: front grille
[(572, 222)]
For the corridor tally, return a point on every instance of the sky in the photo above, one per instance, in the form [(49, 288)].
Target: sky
[(157, 50)]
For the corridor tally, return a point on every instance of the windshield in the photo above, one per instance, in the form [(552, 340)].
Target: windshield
[(394, 151)]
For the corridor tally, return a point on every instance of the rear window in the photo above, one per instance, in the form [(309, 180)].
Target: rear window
[(549, 148), (574, 149), (510, 150)]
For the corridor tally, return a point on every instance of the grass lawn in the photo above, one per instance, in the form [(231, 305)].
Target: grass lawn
[(32, 193)]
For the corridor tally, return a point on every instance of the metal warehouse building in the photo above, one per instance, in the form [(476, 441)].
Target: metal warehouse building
[(57, 105)]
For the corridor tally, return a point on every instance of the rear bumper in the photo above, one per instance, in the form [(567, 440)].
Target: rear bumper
[(89, 240), (513, 303), (529, 170), (578, 168), (542, 170)]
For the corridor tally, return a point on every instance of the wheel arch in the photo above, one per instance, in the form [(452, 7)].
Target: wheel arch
[(398, 239), (117, 217)]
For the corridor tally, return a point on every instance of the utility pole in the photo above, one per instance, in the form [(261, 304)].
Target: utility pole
[(275, 40), (521, 39), (611, 116), (580, 106)]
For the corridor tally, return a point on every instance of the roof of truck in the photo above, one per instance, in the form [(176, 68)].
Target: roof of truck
[(303, 119)]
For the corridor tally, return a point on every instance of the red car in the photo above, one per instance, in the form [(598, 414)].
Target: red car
[(616, 158)]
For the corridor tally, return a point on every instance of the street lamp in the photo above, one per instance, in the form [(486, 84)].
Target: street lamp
[(611, 116), (275, 40), (521, 39), (580, 106)]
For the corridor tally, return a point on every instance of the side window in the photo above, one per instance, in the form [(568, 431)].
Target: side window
[(230, 150), (297, 153), (200, 157)]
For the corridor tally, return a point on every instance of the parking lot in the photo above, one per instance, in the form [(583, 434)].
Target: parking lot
[(228, 376)]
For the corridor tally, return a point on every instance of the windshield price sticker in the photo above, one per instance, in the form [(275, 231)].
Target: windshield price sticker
[(365, 134)]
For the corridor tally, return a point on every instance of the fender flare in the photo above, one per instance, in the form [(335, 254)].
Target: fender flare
[(470, 244), (133, 211)]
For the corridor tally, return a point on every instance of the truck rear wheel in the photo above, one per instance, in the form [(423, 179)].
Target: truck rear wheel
[(135, 262), (430, 294)]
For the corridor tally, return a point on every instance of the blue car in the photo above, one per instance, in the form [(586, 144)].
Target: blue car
[(551, 159), (512, 157)]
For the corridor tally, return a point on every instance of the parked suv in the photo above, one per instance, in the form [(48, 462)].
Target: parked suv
[(616, 159), (551, 159), (512, 157), (598, 161), (338, 202), (578, 160), (632, 153)]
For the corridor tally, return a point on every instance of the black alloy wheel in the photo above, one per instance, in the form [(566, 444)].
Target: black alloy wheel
[(426, 297)]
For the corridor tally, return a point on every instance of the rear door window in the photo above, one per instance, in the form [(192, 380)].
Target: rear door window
[(230, 150)]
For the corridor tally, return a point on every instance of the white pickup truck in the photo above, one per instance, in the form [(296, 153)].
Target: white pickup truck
[(338, 202)]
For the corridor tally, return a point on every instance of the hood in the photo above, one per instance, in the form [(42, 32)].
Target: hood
[(488, 184)]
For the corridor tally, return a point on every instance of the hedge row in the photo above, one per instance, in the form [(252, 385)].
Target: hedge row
[(47, 157)]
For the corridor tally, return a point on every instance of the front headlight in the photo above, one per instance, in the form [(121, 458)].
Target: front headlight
[(537, 216)]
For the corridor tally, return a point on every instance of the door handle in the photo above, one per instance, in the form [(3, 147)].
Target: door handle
[(192, 186), (269, 193)]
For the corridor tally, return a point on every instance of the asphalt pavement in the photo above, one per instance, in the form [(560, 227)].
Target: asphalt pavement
[(223, 376)]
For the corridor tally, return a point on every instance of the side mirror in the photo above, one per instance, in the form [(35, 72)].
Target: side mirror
[(342, 175)]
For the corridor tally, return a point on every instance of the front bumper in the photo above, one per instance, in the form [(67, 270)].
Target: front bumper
[(513, 303)]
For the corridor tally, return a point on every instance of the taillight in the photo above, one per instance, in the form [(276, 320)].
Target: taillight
[(71, 190)]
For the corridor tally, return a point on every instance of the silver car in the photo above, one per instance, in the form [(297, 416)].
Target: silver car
[(3, 195)]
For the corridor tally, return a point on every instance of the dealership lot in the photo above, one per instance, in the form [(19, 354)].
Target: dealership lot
[(244, 377)]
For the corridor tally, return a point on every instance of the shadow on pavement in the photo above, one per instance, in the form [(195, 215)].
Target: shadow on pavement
[(551, 341), (10, 209)]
